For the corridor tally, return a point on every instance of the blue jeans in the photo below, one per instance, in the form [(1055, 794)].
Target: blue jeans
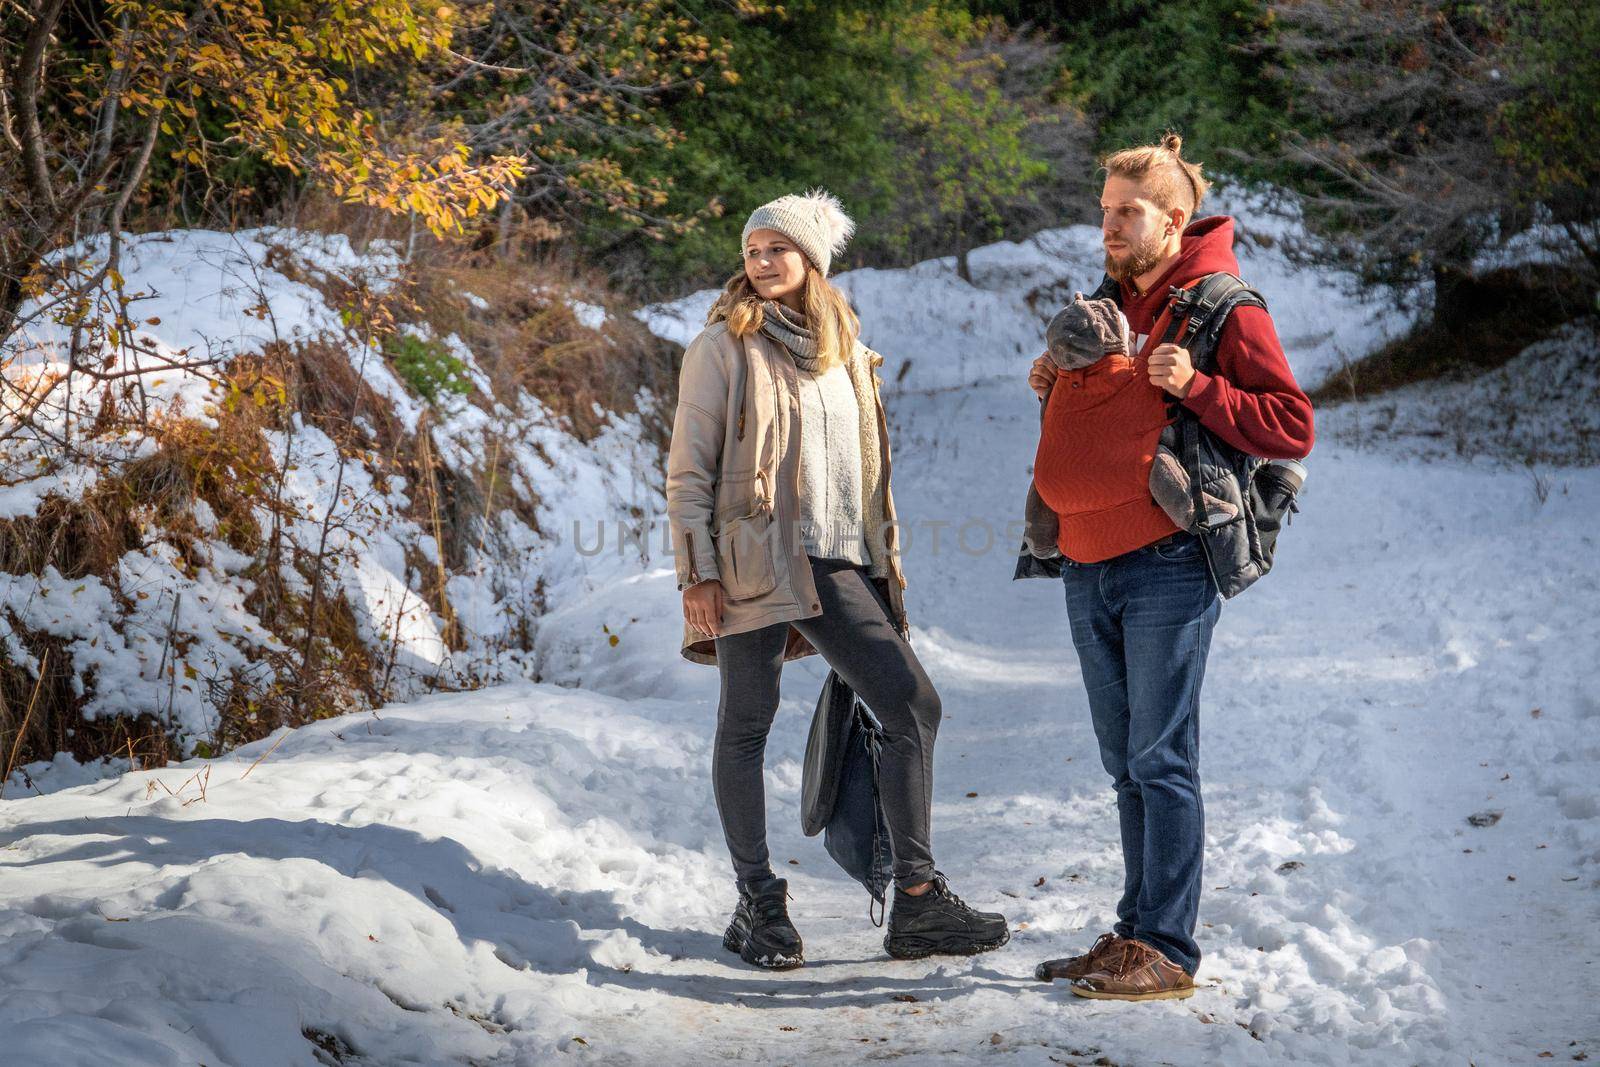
[(1142, 625)]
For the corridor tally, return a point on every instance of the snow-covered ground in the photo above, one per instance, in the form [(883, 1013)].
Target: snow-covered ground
[(1541, 409), (534, 873)]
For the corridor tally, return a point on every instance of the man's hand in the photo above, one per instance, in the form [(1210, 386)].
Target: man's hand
[(1042, 375), (1171, 369), (702, 607)]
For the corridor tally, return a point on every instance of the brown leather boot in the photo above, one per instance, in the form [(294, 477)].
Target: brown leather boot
[(1074, 967), (1134, 970)]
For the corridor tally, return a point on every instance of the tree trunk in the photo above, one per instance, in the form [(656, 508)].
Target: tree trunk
[(504, 227), (1452, 295)]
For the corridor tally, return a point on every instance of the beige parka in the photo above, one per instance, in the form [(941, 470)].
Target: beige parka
[(733, 487)]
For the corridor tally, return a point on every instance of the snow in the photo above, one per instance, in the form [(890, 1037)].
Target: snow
[(151, 638), (1541, 409), (205, 285), (590, 316), (125, 646), (534, 873), (1542, 244)]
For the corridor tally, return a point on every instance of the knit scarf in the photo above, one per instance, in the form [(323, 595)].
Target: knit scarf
[(789, 329)]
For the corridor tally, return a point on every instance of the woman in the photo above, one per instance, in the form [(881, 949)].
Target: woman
[(782, 525)]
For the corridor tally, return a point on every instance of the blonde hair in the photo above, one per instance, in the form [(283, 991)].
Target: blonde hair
[(828, 314), (1169, 179)]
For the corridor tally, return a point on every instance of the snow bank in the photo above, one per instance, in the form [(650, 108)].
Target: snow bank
[(1540, 409), (383, 885), (171, 634)]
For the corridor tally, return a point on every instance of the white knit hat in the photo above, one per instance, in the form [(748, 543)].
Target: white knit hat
[(816, 222)]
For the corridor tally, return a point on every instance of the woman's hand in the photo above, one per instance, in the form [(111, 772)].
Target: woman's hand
[(1042, 375), (702, 607)]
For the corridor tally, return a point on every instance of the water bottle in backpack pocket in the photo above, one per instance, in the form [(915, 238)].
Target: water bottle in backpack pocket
[(1253, 498), (1274, 487)]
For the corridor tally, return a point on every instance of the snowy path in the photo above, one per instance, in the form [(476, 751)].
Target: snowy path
[(534, 873)]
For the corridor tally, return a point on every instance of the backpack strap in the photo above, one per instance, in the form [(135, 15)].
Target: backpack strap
[(1204, 309), (1199, 311), (1189, 442)]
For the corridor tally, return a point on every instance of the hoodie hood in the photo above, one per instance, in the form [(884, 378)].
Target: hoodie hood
[(1207, 248)]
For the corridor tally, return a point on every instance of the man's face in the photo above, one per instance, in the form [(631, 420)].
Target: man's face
[(1133, 229)]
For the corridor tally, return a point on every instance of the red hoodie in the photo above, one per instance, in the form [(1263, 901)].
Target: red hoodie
[(1101, 424)]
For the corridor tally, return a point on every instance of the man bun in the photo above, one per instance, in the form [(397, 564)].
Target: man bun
[(1170, 180)]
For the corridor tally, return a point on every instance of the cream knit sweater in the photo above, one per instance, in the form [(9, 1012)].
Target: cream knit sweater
[(830, 467)]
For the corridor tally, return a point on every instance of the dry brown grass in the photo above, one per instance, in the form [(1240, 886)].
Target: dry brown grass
[(229, 468), (529, 338), (39, 715), (191, 462), (76, 537), (276, 690), (21, 729)]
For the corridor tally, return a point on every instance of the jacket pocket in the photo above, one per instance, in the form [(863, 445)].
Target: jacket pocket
[(744, 543), (744, 555)]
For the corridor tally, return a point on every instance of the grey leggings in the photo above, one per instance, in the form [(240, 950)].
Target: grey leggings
[(855, 635)]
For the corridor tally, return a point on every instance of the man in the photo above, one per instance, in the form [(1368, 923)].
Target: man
[(1141, 596)]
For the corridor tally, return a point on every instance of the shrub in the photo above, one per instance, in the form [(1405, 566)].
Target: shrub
[(427, 366)]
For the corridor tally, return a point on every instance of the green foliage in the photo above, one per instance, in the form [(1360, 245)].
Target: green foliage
[(806, 109), (1549, 131), (580, 88), (427, 366), (638, 132), (827, 93), (649, 128), (963, 156), (1142, 67)]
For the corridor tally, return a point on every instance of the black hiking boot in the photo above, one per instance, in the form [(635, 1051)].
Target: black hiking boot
[(760, 931), (939, 923)]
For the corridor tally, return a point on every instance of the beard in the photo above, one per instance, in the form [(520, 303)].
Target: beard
[(1139, 259)]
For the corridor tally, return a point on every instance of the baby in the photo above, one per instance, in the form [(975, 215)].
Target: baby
[(1081, 335)]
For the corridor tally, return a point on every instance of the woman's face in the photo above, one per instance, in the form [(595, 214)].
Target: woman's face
[(774, 266)]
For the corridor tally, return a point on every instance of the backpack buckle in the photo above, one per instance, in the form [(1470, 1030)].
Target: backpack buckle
[(1187, 305), (1181, 299)]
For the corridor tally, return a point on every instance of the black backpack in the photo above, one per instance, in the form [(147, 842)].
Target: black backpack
[(1264, 493), (839, 788)]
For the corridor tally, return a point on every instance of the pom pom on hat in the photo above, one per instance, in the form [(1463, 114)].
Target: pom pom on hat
[(816, 222), (836, 226)]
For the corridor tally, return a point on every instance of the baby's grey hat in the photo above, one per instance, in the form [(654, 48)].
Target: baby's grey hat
[(815, 222), (1086, 330)]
